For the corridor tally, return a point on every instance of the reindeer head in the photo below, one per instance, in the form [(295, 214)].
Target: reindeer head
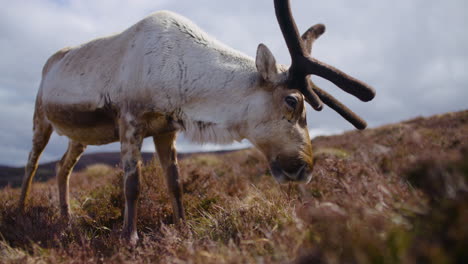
[(282, 135)]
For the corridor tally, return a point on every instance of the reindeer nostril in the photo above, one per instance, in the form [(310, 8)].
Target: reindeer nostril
[(290, 171)]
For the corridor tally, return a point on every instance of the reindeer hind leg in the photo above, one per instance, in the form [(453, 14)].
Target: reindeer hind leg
[(64, 169), (41, 135)]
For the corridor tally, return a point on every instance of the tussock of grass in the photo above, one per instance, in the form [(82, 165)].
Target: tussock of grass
[(398, 196)]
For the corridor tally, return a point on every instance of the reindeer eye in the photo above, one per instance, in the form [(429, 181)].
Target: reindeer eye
[(291, 101)]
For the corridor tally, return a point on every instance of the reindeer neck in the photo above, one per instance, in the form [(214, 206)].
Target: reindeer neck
[(217, 112)]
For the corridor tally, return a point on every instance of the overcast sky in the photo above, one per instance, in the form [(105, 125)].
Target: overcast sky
[(414, 52)]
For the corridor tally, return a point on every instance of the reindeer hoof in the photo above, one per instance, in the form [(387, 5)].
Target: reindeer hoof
[(20, 210), (131, 239), (66, 220), (21, 206)]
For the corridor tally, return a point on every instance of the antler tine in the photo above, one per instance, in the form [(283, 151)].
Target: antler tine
[(289, 29), (303, 65), (313, 33), (311, 97), (347, 83), (340, 108), (309, 38)]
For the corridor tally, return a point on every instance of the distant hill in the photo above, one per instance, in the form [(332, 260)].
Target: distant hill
[(13, 176), (433, 131)]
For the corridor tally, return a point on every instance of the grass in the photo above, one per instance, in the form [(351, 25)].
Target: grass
[(396, 194)]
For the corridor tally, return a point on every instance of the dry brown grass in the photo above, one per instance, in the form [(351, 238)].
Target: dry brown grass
[(395, 194)]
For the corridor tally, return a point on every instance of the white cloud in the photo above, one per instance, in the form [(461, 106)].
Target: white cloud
[(412, 51)]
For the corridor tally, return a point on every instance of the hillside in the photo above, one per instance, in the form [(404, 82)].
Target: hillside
[(393, 194)]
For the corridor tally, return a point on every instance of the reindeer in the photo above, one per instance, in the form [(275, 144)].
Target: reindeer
[(165, 75)]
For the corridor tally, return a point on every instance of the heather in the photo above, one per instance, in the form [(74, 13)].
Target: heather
[(393, 194)]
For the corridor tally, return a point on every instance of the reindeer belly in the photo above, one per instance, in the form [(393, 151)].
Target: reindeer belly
[(91, 127), (99, 135), (98, 126)]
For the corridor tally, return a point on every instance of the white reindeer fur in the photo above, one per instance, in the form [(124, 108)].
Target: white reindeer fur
[(167, 65), (162, 75)]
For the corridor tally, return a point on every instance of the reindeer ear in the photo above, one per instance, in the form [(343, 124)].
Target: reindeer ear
[(266, 64)]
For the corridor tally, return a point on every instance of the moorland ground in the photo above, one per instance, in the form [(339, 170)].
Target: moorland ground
[(393, 194)]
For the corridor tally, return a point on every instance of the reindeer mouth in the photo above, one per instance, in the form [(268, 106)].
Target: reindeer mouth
[(301, 174)]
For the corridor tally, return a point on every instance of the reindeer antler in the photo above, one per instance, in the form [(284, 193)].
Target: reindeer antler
[(313, 33), (303, 65), (309, 37)]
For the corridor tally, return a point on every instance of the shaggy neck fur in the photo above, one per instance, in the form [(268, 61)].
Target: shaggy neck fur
[(223, 116)]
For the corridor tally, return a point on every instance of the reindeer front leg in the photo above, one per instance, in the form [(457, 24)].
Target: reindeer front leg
[(165, 146), (131, 138)]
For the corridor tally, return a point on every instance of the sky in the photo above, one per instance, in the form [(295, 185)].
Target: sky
[(413, 52)]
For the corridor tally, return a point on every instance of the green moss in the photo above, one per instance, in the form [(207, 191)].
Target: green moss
[(398, 244), (103, 206), (335, 152), (207, 203), (206, 160)]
